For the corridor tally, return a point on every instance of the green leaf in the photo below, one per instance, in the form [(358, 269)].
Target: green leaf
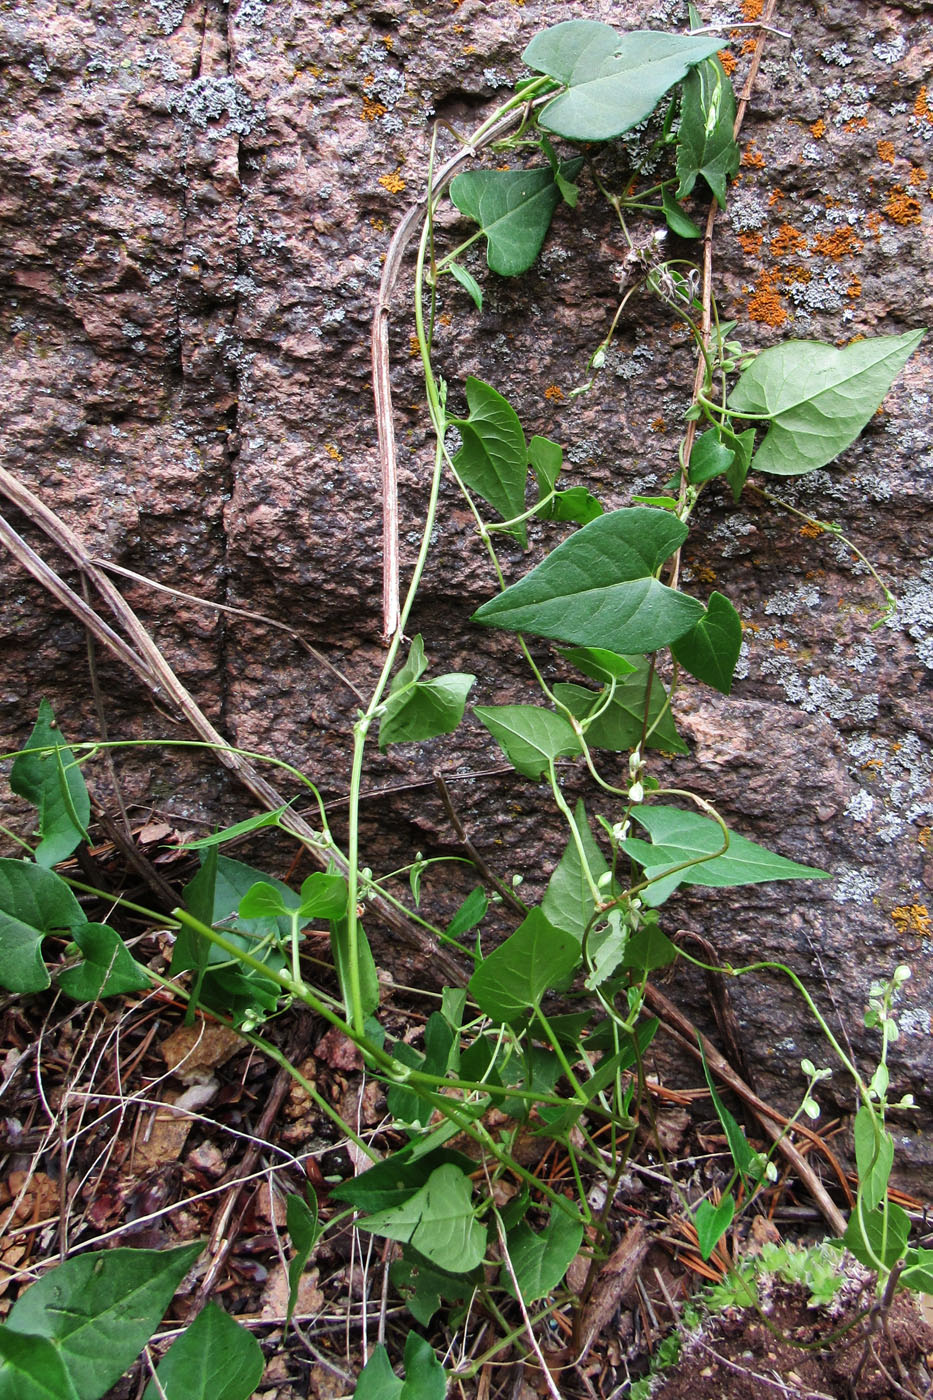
[(514, 978), (33, 902), (712, 1222), (438, 1221), (818, 397), (874, 1156), (711, 648), (471, 912), (109, 968), (323, 896), (648, 949), (395, 1179), (677, 221), (230, 833), (576, 504), (567, 902), (369, 977), (705, 144), (423, 1286), (101, 1309), (540, 1261), (425, 1378), (621, 724), (263, 901), (597, 588), (530, 736), (546, 459), (469, 284), (710, 457), (606, 948), (742, 1154), (599, 664), (744, 444), (425, 710), (678, 836), (301, 1221), (493, 460), (514, 209), (919, 1272), (54, 784), (214, 1359), (887, 1243), (613, 81), (32, 1369)]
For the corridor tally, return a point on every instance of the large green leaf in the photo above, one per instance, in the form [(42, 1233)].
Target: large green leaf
[(425, 710), (493, 460), (568, 902), (54, 784), (706, 145), (597, 588), (514, 209), (711, 648), (99, 1310), (214, 1359), (109, 968), (540, 1261), (33, 902), (818, 397), (622, 722), (513, 979), (31, 1368), (613, 81), (678, 836), (531, 737), (438, 1221), (425, 1378)]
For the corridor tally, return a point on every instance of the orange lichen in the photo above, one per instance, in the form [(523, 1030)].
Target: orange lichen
[(796, 275), (705, 574), (446, 319), (818, 129), (379, 225), (841, 243), (811, 530), (393, 183), (765, 304), (750, 243), (775, 197), (917, 176), (751, 9), (902, 208), (752, 158), (372, 109), (414, 347), (554, 392), (856, 124), (854, 288), (658, 425), (886, 152), (873, 223), (333, 452), (788, 240), (748, 46), (922, 106), (924, 836), (728, 60), (912, 918)]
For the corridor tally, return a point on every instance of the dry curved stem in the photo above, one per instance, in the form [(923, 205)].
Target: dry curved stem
[(148, 663)]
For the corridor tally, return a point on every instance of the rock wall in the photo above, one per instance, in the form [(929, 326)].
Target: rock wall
[(196, 200)]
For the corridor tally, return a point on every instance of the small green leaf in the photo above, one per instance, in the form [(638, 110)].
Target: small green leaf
[(546, 459), (423, 1286), (621, 724), (101, 1309), (214, 1359), (576, 505), (599, 664), (677, 221), (514, 209), (31, 1368), (531, 737), (425, 1378), (377, 1380), (425, 710), (33, 902), (568, 901), (469, 284), (919, 1272), (710, 457), (613, 81), (230, 833), (649, 949), (54, 784), (744, 444), (438, 1221), (606, 949), (471, 912), (541, 1260), (597, 588), (323, 896), (706, 145), (710, 650), (742, 1154), (874, 1156), (109, 968), (712, 1222), (493, 460), (678, 836), (301, 1221), (514, 978), (884, 1235), (263, 901), (395, 1179), (369, 977), (819, 398)]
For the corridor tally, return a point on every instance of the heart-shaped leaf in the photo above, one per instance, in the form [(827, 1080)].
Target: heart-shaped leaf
[(513, 979), (438, 1221), (54, 784), (530, 736), (213, 1359), (33, 902), (109, 968), (514, 209), (425, 1377), (711, 648), (613, 81), (818, 397), (597, 588), (493, 460), (712, 1222), (539, 1261), (706, 145), (621, 724)]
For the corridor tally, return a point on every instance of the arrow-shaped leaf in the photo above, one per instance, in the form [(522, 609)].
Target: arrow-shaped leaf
[(438, 1221), (513, 979), (530, 736), (493, 460), (706, 145), (514, 209), (613, 81), (711, 648), (53, 783), (33, 902)]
